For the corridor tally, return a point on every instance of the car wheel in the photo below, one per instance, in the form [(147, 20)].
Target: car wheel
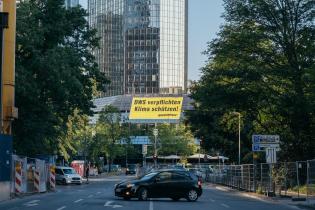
[(143, 194), (175, 198), (192, 195), (64, 182)]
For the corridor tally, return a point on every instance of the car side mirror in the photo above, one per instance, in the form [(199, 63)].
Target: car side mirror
[(157, 179)]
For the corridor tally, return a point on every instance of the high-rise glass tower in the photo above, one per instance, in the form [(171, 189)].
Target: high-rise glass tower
[(71, 3), (143, 46)]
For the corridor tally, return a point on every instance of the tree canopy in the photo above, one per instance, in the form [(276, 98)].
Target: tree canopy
[(56, 73), (262, 64), (174, 140)]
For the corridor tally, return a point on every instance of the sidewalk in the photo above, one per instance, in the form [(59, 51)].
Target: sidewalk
[(110, 177), (308, 204)]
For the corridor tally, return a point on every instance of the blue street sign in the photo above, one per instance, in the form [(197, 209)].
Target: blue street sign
[(266, 139), (257, 148)]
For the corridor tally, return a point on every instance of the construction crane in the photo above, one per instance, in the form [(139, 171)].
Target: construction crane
[(8, 112)]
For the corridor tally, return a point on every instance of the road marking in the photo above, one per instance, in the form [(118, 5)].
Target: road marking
[(224, 205), (90, 196), (212, 200), (98, 192), (77, 201), (222, 189), (63, 207), (31, 203), (151, 205), (108, 203)]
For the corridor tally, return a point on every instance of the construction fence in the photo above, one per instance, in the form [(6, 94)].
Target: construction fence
[(31, 176), (294, 179)]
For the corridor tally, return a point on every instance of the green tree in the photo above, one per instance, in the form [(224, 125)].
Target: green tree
[(174, 140), (56, 73), (109, 133), (262, 64)]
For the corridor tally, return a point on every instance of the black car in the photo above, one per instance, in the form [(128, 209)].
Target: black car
[(131, 169), (174, 184)]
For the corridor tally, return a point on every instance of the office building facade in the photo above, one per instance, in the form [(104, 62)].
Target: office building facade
[(71, 3), (143, 46)]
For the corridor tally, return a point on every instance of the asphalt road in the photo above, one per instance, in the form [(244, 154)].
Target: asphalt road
[(99, 196)]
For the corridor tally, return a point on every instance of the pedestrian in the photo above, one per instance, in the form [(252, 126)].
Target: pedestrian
[(87, 173)]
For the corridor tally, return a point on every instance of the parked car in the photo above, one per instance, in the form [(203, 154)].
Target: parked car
[(131, 169), (116, 168), (171, 183), (67, 175)]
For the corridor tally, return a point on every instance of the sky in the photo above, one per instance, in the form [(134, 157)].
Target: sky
[(204, 23)]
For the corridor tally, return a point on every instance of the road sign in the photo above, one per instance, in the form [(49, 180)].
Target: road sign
[(257, 148), (271, 155), (155, 132), (263, 147), (144, 149), (266, 139)]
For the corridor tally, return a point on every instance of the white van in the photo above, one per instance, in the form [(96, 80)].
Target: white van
[(67, 175)]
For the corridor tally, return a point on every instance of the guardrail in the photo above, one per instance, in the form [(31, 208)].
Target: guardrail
[(294, 179)]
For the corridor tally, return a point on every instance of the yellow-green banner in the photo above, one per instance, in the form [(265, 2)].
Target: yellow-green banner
[(156, 108)]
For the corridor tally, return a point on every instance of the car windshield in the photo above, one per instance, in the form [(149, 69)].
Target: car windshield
[(69, 171), (148, 176), (131, 166)]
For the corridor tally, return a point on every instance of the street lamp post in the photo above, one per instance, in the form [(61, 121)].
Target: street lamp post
[(155, 133), (239, 136)]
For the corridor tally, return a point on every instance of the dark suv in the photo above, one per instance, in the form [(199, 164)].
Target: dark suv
[(131, 169), (174, 184)]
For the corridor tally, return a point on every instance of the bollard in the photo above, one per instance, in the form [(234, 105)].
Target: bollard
[(18, 178), (36, 180), (52, 179)]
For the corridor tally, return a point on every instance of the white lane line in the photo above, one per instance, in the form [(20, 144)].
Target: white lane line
[(31, 204), (77, 201), (98, 192), (63, 207), (90, 196), (33, 201), (212, 200), (224, 205), (151, 205), (222, 189)]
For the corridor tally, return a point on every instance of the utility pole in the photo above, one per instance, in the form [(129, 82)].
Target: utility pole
[(239, 136), (155, 133)]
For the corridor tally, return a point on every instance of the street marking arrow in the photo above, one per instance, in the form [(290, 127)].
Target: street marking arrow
[(110, 204)]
